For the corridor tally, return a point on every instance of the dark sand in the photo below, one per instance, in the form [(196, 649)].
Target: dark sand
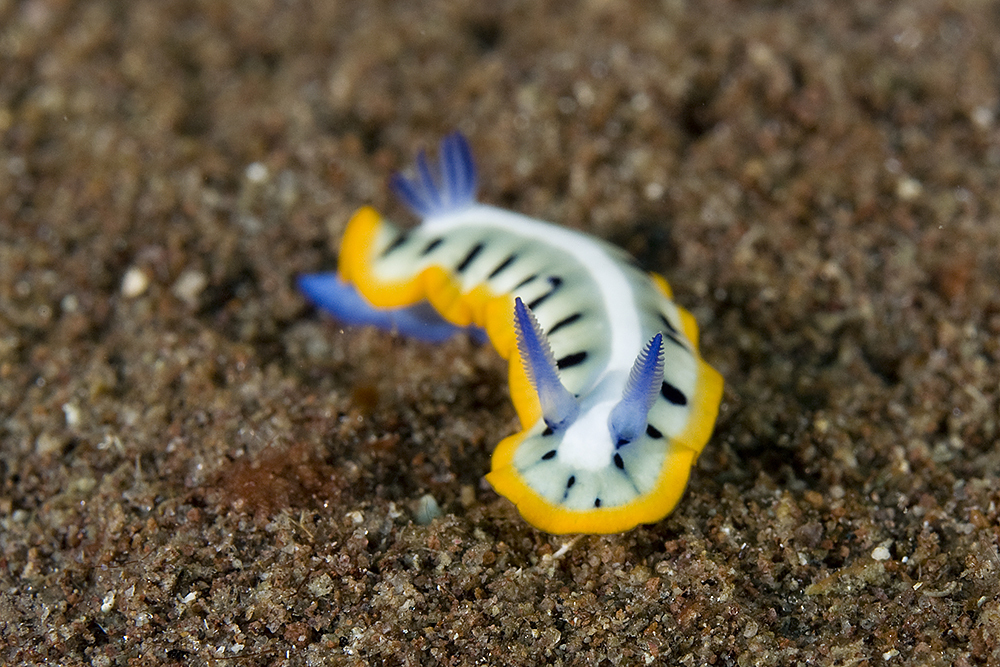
[(197, 468)]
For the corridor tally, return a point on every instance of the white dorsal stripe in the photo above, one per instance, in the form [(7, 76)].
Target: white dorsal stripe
[(616, 292)]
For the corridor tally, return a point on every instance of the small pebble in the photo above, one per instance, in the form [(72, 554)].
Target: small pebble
[(880, 553), (72, 414), (134, 283), (908, 189), (47, 443), (190, 285), (256, 172), (427, 510)]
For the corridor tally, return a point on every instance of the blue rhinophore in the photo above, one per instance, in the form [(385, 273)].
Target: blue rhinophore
[(559, 407), (628, 419), (342, 300), (448, 188)]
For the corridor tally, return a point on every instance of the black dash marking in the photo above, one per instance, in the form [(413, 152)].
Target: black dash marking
[(653, 432), (619, 463), (502, 265), (621, 443), (597, 502), (670, 327), (672, 333), (396, 242), (673, 394), (549, 455), (571, 360), (571, 481), (432, 246), (548, 431), (556, 282), (526, 281), (565, 322), (539, 301), (471, 257), (675, 340)]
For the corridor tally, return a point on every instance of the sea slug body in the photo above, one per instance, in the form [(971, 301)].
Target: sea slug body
[(614, 400)]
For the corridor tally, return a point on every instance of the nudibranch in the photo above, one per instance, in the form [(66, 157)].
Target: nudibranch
[(614, 399)]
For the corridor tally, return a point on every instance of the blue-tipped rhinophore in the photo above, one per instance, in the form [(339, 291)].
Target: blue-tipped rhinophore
[(448, 188), (559, 407), (627, 420)]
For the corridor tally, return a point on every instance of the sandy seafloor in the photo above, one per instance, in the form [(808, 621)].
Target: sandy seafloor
[(196, 468)]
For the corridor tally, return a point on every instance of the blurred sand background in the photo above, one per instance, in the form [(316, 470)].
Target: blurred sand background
[(198, 469)]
